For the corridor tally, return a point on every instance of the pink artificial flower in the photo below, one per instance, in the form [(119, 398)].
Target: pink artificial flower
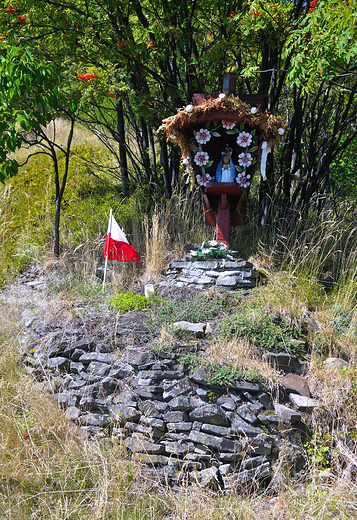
[(244, 139), (245, 159), (243, 180), (201, 158), (228, 125), (203, 179), (203, 136)]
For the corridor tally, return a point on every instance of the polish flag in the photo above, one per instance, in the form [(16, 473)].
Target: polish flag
[(117, 246)]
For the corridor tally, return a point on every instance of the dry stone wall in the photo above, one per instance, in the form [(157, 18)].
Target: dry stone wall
[(166, 416)]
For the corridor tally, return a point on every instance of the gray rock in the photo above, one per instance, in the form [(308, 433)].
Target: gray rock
[(149, 409), (77, 382), (205, 439), (227, 403), (205, 265), (109, 385), (303, 403), (200, 376), (152, 422), (176, 448), (137, 444), (265, 400), (243, 386), (180, 403), (72, 413), (333, 362), (245, 413), (197, 329), (175, 417), (93, 405), (67, 398), (58, 363), (210, 413), (244, 477), (183, 387), (261, 445), (286, 414), (98, 369), (179, 426), (138, 357), (120, 370), (242, 427), (121, 413), (180, 265), (88, 357), (227, 281), (207, 477), (220, 431), (95, 419)]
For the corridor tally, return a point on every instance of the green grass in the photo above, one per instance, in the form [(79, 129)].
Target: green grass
[(201, 307)]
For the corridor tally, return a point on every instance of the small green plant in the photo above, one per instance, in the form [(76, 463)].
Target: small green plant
[(318, 449), (125, 302), (222, 375)]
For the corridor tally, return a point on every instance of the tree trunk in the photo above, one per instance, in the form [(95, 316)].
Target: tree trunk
[(123, 163)]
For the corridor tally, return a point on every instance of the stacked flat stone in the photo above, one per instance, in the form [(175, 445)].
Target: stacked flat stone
[(166, 417), (224, 274)]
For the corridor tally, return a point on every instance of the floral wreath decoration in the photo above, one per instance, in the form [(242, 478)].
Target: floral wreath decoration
[(270, 127)]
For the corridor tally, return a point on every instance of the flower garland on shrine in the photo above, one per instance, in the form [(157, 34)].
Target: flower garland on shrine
[(238, 118)]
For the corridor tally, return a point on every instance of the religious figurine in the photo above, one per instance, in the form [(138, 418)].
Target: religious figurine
[(226, 171)]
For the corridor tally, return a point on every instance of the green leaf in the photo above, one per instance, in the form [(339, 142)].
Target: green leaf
[(215, 134)]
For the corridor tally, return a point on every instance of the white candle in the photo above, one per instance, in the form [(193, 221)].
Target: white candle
[(149, 290)]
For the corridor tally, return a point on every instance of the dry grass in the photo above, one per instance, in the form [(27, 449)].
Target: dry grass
[(243, 354)]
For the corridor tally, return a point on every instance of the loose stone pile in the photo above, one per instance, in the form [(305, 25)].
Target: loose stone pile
[(225, 274)]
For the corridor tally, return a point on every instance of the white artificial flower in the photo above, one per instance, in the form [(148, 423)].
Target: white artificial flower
[(201, 158), (189, 108), (206, 251), (203, 136), (172, 136), (228, 125), (193, 253), (222, 95), (281, 131), (244, 139), (253, 110), (213, 243), (185, 160), (245, 159)]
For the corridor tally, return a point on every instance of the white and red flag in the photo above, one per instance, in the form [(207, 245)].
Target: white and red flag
[(117, 246)]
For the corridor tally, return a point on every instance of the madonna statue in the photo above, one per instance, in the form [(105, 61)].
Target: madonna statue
[(226, 171)]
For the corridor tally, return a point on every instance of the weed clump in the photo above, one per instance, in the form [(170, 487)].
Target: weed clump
[(222, 375), (125, 302), (203, 306), (270, 332)]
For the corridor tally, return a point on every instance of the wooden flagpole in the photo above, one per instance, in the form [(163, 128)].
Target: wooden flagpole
[(106, 258)]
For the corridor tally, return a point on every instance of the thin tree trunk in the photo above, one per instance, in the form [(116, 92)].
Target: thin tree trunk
[(123, 163)]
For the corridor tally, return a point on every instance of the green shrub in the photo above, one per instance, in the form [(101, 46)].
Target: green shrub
[(125, 302), (265, 331)]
